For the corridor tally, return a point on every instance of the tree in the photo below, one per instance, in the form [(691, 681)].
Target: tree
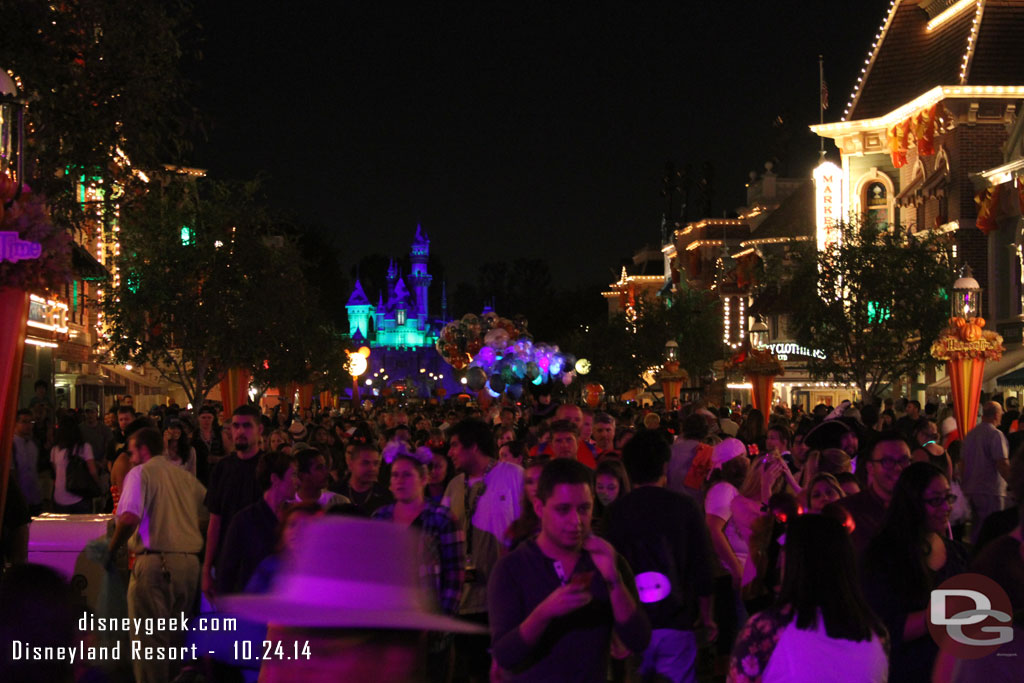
[(873, 302), (101, 77), (209, 284), (621, 351)]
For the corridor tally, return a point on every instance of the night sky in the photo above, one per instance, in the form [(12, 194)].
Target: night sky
[(515, 129)]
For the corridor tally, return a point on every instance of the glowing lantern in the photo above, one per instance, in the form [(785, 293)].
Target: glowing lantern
[(356, 364)]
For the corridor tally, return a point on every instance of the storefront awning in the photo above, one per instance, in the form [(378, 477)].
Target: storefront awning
[(1012, 379), (1011, 361), (86, 266), (121, 374)]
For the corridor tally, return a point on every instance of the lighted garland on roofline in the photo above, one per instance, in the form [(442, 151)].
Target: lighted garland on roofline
[(35, 255), (500, 355), (756, 362), (965, 339)]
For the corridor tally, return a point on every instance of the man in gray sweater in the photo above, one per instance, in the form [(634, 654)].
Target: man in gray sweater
[(555, 602)]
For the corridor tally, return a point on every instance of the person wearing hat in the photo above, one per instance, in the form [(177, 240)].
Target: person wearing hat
[(298, 431), (349, 606), (729, 465)]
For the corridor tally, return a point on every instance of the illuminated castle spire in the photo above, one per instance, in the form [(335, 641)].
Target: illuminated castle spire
[(419, 278)]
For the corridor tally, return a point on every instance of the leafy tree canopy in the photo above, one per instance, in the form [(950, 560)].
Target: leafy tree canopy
[(231, 295), (620, 351), (873, 302)]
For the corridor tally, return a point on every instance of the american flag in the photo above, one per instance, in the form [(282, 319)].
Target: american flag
[(824, 94)]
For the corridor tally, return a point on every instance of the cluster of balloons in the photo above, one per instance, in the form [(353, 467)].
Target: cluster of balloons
[(510, 368), (501, 356), (461, 340)]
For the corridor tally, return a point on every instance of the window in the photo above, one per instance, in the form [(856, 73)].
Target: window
[(876, 196), (876, 203), (400, 317)]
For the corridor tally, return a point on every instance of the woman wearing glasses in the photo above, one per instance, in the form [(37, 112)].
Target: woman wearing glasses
[(912, 554)]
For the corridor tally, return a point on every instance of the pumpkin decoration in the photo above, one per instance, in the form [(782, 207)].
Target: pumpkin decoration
[(971, 332)]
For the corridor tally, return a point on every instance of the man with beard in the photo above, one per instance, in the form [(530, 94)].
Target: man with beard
[(233, 485)]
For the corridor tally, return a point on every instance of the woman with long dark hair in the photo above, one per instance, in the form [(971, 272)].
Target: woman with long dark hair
[(752, 431), (178, 446), (68, 441), (821, 628), (911, 555)]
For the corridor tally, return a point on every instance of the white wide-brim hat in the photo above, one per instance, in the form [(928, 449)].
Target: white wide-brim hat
[(350, 573)]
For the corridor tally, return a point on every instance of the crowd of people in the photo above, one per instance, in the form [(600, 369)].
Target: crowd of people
[(621, 544)]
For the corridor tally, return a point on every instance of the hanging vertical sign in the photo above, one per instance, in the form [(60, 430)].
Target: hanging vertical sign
[(828, 191)]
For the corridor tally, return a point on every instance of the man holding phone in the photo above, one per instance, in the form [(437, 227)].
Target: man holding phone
[(556, 601)]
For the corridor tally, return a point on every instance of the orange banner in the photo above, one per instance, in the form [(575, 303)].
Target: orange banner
[(761, 393), (14, 313), (234, 388), (965, 377), (305, 396)]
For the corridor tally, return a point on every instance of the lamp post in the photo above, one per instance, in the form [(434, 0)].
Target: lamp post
[(671, 376), (966, 300), (356, 367), (760, 367), (758, 335), (965, 345)]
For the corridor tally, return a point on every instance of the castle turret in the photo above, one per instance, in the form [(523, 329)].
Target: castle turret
[(419, 278), (359, 311)]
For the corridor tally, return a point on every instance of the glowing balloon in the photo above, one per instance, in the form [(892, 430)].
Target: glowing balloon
[(364, 351), (532, 370), (583, 366), (356, 364), (485, 358)]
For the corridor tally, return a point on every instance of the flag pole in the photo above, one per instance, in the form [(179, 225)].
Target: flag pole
[(821, 102)]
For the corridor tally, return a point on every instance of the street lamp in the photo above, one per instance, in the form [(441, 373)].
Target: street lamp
[(966, 300), (671, 377), (671, 352), (357, 366), (758, 335)]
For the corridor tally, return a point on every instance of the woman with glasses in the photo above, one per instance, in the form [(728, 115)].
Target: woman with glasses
[(912, 554)]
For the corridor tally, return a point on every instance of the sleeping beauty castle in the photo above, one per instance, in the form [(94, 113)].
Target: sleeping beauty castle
[(401, 321), (400, 332)]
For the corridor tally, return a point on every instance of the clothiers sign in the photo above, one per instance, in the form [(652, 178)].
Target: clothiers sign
[(783, 350), (828, 190)]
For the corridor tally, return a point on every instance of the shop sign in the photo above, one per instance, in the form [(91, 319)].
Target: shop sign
[(829, 203), (783, 350)]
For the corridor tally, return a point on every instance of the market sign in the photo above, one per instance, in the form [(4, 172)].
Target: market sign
[(14, 249), (828, 192), (783, 350)]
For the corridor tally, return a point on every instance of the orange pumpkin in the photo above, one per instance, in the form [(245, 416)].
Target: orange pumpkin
[(980, 322), (971, 332)]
